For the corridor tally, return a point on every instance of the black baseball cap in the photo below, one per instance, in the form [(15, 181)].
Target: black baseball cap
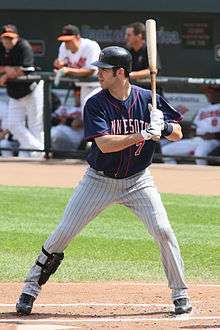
[(114, 56), (9, 31), (68, 32)]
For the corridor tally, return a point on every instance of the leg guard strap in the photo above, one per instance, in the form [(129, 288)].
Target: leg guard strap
[(52, 263)]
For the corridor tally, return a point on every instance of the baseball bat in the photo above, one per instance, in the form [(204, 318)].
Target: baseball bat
[(151, 40)]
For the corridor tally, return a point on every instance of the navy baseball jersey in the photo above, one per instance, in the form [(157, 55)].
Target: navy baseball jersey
[(140, 59), (104, 114)]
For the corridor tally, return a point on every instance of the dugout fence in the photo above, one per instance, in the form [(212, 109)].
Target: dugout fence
[(168, 84)]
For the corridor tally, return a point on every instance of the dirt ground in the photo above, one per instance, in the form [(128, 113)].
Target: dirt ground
[(182, 179), (120, 305)]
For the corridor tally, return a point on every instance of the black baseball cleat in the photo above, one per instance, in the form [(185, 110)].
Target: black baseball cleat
[(182, 306), (25, 304)]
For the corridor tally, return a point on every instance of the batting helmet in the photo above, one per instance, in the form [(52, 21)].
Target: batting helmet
[(114, 57)]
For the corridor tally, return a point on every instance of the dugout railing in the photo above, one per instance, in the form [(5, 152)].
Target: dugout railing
[(167, 83)]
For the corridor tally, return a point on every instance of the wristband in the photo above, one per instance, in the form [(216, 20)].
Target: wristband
[(168, 129)]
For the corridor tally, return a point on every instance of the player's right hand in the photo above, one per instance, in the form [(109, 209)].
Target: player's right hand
[(153, 132), (58, 64)]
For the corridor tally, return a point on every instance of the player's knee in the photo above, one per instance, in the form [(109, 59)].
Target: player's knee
[(161, 232), (50, 266)]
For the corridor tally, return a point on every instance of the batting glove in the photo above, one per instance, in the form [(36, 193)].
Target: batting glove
[(156, 117), (153, 132)]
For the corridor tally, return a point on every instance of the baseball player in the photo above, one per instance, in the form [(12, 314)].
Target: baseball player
[(207, 134), (135, 41), (25, 98), (122, 130), (69, 133), (76, 55)]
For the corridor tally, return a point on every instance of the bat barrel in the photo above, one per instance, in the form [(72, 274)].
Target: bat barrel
[(151, 40)]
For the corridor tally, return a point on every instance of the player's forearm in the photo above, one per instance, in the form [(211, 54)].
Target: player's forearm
[(142, 74), (176, 134), (82, 72), (114, 143), (13, 71)]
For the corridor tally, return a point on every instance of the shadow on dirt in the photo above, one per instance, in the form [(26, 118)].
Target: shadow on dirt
[(68, 315)]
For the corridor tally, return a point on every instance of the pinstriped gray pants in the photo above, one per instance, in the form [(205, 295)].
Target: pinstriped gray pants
[(94, 193)]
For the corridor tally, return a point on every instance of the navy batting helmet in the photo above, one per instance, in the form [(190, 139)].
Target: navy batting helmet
[(114, 57)]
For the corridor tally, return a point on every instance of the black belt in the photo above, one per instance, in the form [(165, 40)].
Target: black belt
[(112, 175)]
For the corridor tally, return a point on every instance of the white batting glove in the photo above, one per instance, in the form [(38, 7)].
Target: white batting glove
[(151, 133), (60, 73), (156, 117)]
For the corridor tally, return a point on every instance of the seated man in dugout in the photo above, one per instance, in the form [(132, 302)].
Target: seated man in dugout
[(206, 125), (67, 131)]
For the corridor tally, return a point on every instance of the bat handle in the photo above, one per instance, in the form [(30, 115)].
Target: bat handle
[(153, 89), (154, 97)]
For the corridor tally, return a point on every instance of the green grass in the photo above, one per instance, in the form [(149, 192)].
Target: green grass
[(115, 246)]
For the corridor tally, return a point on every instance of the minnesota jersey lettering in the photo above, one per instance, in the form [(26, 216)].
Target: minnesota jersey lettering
[(103, 114), (127, 126)]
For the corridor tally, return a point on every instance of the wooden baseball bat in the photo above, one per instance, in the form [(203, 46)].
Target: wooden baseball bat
[(151, 40)]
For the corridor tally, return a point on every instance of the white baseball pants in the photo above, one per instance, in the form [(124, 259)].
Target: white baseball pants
[(195, 146), (96, 192), (26, 119)]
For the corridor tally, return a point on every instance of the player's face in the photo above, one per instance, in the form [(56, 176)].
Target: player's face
[(8, 43), (106, 78), (130, 37), (73, 44)]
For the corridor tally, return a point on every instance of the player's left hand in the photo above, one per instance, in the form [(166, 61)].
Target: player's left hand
[(156, 117), (11, 72)]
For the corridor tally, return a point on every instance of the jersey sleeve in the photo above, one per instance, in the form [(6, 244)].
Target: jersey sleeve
[(95, 123), (170, 114), (92, 52), (62, 52), (27, 57)]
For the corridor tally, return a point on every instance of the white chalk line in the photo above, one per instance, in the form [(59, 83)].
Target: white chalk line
[(99, 305), (186, 317), (161, 284)]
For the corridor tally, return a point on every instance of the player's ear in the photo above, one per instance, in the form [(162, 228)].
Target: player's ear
[(121, 72)]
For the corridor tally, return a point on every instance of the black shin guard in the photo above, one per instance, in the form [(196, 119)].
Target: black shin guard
[(52, 263)]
